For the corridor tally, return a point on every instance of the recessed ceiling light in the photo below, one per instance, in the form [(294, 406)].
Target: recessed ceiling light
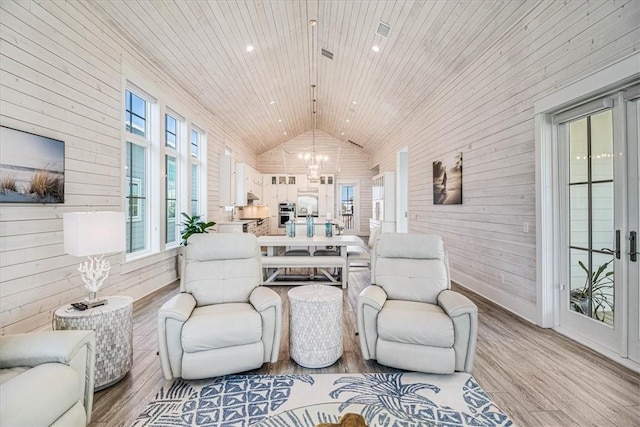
[(347, 120), (272, 102), (284, 133), (280, 121), (250, 48), (375, 48), (354, 102), (341, 133)]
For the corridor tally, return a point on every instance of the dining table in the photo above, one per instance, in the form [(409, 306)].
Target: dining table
[(274, 243)]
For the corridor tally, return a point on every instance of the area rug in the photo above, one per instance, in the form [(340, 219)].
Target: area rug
[(396, 399)]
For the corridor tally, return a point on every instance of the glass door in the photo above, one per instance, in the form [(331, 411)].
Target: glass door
[(591, 182), (347, 207), (633, 133)]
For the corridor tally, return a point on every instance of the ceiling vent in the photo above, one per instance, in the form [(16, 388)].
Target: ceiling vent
[(383, 29), (353, 143), (327, 54)]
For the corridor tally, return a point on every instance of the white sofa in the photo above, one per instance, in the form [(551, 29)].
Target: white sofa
[(46, 378), (409, 318), (222, 321)]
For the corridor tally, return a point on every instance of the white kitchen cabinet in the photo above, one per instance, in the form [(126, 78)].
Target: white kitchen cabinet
[(271, 194), (301, 181), (286, 185), (242, 183), (384, 202), (292, 193), (248, 180), (326, 195), (226, 181), (257, 188), (288, 188)]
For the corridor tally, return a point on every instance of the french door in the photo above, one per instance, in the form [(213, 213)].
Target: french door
[(598, 199), (632, 104)]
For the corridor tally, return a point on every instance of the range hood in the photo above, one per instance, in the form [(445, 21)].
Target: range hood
[(251, 196)]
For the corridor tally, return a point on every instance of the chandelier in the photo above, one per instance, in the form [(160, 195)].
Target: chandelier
[(313, 160)]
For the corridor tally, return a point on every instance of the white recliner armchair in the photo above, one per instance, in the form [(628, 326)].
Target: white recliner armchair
[(47, 378), (222, 321), (409, 318)]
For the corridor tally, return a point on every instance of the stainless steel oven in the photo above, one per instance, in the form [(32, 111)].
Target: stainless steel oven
[(286, 212)]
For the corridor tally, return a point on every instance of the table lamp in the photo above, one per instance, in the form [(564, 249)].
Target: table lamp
[(93, 234)]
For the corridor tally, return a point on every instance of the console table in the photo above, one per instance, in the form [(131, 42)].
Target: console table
[(312, 243), (113, 325)]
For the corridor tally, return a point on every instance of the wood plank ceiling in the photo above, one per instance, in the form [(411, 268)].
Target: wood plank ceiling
[(363, 95)]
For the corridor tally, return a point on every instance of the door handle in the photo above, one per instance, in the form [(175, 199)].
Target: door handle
[(633, 249), (615, 252)]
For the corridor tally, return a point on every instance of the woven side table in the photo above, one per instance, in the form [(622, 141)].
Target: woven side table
[(315, 325), (112, 323)]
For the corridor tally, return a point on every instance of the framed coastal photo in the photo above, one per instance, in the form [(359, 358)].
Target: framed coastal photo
[(31, 168), (447, 180)]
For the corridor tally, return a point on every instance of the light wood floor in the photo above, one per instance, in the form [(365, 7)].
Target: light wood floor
[(535, 375)]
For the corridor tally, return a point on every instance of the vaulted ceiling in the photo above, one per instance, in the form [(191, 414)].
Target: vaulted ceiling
[(264, 95)]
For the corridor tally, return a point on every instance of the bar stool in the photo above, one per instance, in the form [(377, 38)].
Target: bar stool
[(297, 252)]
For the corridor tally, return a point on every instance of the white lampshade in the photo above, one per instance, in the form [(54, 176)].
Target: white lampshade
[(93, 233)]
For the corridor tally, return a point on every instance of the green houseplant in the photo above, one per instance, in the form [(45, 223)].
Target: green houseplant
[(193, 225), (601, 292)]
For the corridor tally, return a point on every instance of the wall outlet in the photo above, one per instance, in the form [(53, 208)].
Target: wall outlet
[(525, 227)]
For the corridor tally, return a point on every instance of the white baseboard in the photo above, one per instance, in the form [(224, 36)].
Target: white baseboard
[(525, 309)]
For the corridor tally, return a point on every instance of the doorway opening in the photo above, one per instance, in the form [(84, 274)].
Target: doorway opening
[(348, 207)]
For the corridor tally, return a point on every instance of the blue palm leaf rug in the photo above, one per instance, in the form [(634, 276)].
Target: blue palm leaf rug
[(386, 400)]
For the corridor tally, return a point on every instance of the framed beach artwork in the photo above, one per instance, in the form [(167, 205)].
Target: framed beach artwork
[(447, 180), (31, 168)]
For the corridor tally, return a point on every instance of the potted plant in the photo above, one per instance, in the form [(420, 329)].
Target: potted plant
[(193, 225), (601, 292)]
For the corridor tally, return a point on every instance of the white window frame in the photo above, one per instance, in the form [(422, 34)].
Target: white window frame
[(153, 169), (156, 152), (176, 153), (593, 86), (200, 162)]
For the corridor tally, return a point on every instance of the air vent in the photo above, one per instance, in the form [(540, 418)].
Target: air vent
[(353, 143), (327, 53), (383, 29)]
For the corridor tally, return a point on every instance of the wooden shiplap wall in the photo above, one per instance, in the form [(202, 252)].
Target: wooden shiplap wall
[(485, 111), (61, 75), (346, 162)]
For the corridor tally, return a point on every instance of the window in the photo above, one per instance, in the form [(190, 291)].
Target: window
[(136, 114), (136, 158), (165, 173), (171, 132), (196, 141), (171, 184), (137, 169)]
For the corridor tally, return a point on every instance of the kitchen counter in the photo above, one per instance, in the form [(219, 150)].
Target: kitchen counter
[(241, 221), (257, 226)]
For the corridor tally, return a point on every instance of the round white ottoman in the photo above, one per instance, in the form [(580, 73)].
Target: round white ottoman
[(315, 325)]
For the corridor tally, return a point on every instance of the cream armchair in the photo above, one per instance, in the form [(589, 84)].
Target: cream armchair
[(46, 378), (222, 321), (409, 318)]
